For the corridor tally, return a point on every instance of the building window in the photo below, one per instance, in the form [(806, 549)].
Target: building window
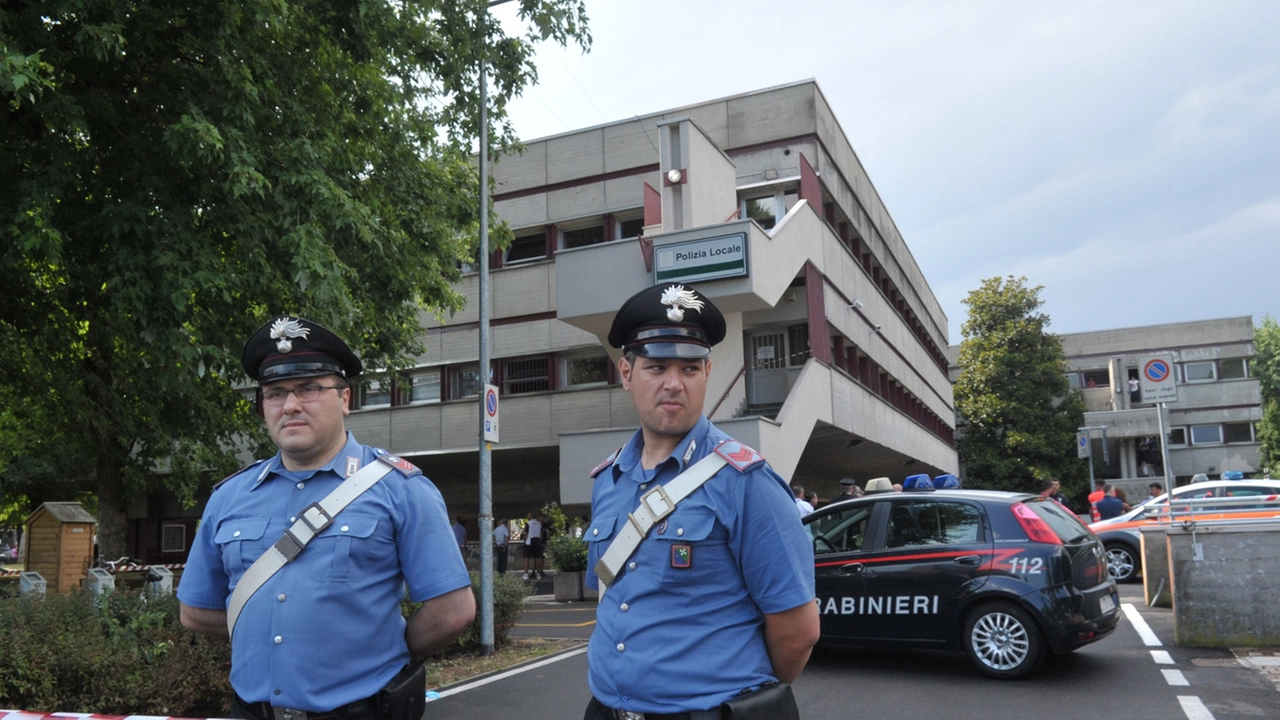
[(424, 386), (464, 381), (797, 345), (630, 228), (1206, 434), (173, 538), (1237, 432), (1177, 436), (526, 248), (375, 392), (1194, 372), (581, 237), (768, 209), (586, 370), (525, 375), (1073, 379), (1233, 369), (1097, 378)]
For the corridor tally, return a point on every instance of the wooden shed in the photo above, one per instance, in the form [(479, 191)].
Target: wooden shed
[(60, 544)]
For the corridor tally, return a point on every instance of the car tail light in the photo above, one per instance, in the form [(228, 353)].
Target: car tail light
[(1037, 530)]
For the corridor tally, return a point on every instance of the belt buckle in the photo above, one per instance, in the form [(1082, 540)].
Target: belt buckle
[(628, 715), (283, 713)]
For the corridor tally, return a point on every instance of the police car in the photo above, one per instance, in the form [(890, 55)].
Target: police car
[(1005, 577), (1122, 538)]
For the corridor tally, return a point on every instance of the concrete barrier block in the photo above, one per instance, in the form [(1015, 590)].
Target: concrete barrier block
[(1225, 581)]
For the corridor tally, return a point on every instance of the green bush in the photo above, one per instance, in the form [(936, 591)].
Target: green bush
[(70, 652), (568, 552), (508, 599)]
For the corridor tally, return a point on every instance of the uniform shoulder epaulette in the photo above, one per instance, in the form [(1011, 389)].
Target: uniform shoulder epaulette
[(738, 456), (607, 462), (223, 481), (398, 462)]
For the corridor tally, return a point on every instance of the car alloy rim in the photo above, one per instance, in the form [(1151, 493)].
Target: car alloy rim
[(1000, 641), (1120, 563)]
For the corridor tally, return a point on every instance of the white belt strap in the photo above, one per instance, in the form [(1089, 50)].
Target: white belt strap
[(654, 506), (311, 522)]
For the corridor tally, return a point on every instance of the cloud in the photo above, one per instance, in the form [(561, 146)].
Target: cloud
[(1071, 142)]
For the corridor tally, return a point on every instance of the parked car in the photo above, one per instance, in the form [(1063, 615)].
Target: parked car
[(1122, 537), (1003, 577)]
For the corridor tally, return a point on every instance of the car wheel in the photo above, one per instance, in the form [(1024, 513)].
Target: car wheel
[(1002, 641), (1122, 562)]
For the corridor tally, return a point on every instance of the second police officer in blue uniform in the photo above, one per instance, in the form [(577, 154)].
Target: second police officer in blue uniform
[(323, 637), (718, 597)]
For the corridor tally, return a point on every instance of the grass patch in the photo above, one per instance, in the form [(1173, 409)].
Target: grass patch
[(465, 666)]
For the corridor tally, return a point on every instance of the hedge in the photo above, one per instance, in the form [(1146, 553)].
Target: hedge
[(122, 655)]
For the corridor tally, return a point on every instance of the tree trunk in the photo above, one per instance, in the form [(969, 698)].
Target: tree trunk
[(111, 510)]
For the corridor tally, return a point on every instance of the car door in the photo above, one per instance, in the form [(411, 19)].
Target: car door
[(935, 551), (840, 537)]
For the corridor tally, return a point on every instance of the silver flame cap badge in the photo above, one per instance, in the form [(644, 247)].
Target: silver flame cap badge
[(677, 298), (284, 330)]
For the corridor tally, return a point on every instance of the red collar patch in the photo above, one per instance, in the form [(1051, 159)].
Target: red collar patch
[(738, 455), (607, 462)]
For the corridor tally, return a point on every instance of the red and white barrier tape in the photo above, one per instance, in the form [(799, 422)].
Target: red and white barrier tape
[(122, 568), (24, 715)]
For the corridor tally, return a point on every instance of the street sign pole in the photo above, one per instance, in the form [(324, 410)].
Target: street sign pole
[(486, 460), (1164, 450)]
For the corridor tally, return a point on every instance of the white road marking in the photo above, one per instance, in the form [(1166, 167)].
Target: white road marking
[(509, 673), (1194, 709), (1144, 630), (1162, 657), (1174, 677)]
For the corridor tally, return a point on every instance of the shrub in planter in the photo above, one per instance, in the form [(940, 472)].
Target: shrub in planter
[(568, 553)]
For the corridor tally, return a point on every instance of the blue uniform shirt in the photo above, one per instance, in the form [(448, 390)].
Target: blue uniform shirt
[(682, 626), (325, 630)]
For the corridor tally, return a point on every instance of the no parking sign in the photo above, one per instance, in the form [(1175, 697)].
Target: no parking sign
[(1155, 374), (491, 413)]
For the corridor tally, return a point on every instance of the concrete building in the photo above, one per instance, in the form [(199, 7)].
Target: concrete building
[(1211, 427), (835, 360)]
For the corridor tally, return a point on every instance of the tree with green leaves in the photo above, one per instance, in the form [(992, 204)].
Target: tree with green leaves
[(175, 173), (1266, 367), (1016, 411)]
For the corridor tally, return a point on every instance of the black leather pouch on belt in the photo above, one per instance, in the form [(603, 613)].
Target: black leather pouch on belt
[(770, 702), (405, 697)]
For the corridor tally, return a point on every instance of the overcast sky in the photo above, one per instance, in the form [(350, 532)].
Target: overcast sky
[(1125, 155)]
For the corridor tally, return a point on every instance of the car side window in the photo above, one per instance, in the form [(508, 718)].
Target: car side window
[(933, 522), (840, 532)]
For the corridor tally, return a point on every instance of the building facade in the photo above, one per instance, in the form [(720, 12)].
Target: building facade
[(835, 362), (1212, 426)]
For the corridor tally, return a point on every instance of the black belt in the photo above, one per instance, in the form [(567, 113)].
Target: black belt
[(266, 711), (627, 715)]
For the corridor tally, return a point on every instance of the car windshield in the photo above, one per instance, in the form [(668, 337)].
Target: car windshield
[(1067, 526)]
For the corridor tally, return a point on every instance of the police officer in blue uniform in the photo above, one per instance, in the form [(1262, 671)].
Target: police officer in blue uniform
[(324, 638), (718, 598)]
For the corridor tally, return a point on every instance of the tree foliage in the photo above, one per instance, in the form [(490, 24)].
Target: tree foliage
[(1266, 367), (1016, 411), (175, 173)]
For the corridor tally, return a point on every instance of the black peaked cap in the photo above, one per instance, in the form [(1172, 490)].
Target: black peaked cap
[(292, 347), (667, 321)]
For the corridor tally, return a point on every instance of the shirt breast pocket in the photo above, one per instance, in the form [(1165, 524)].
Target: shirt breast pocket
[(691, 548), (599, 536), (340, 548), (241, 542)]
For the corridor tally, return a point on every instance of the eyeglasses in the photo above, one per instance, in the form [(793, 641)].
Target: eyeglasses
[(275, 396)]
